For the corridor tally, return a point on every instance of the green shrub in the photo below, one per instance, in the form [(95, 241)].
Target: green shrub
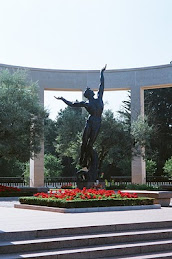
[(116, 187), (12, 194), (150, 168), (52, 166), (86, 203), (168, 167), (141, 187), (15, 194), (132, 187)]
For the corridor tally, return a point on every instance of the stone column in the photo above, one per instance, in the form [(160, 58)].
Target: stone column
[(37, 163), (37, 169), (138, 169)]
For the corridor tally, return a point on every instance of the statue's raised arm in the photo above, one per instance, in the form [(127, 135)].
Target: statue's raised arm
[(72, 104), (101, 86)]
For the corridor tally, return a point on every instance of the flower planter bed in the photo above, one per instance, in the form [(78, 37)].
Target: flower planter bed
[(86, 198), (86, 203), (160, 197), (86, 210), (6, 191)]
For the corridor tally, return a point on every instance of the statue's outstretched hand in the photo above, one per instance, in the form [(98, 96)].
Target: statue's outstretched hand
[(104, 68), (58, 98)]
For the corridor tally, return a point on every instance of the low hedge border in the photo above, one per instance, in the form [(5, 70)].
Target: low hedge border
[(15, 194), (50, 202), (10, 194), (133, 187)]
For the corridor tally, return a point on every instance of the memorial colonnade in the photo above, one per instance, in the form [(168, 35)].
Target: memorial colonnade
[(136, 80)]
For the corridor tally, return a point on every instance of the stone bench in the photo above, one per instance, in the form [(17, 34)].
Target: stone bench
[(161, 197)]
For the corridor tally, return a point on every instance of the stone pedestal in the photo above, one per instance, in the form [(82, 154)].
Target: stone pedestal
[(102, 183), (90, 184), (87, 185)]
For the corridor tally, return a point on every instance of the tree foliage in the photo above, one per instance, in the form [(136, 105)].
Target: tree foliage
[(112, 144), (150, 168), (50, 135), (11, 168), (21, 116), (158, 107), (157, 129), (141, 133), (52, 166), (125, 112), (168, 167), (70, 122)]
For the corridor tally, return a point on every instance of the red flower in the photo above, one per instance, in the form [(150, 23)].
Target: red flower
[(74, 194), (9, 189)]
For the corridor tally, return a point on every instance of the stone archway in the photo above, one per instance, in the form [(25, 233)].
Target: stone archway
[(136, 80)]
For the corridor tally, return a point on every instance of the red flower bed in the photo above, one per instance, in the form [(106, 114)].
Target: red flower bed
[(85, 194), (86, 198), (8, 190)]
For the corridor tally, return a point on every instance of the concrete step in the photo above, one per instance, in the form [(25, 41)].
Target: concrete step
[(73, 241), (153, 255), (60, 232), (111, 250), (90, 242)]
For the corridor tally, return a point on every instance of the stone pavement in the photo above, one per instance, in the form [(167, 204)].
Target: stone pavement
[(12, 219), (8, 201)]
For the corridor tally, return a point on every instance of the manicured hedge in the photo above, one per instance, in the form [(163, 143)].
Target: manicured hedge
[(7, 191), (15, 194), (10, 194), (50, 202), (132, 187)]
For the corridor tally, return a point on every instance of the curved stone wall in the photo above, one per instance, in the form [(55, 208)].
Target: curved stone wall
[(146, 77)]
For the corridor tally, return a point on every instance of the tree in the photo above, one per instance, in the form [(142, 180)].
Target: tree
[(52, 165), (141, 133), (11, 168), (70, 122), (21, 117), (168, 167), (158, 110), (125, 112), (158, 107), (50, 135), (60, 136), (52, 168), (150, 168), (112, 144)]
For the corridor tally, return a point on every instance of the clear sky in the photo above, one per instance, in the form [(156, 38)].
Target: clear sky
[(85, 34)]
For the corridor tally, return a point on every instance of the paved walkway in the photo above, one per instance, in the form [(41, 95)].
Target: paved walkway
[(12, 219), (8, 201)]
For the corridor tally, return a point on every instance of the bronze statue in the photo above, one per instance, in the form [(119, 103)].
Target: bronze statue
[(94, 106)]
